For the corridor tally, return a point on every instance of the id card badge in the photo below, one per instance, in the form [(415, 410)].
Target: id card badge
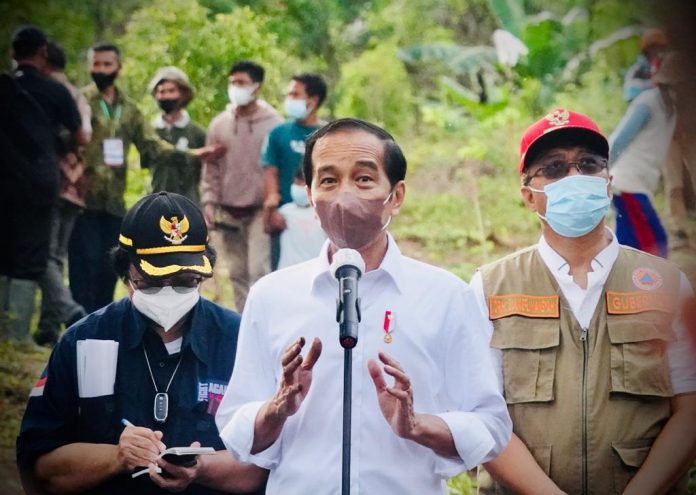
[(112, 149)]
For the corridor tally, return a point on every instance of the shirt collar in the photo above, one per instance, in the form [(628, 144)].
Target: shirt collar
[(390, 266), (603, 262), (183, 120)]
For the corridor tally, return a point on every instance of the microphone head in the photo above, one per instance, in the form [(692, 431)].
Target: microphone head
[(347, 257)]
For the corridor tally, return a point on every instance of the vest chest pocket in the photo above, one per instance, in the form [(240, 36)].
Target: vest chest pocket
[(529, 347), (638, 355)]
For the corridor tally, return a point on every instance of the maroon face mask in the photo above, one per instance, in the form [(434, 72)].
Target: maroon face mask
[(350, 221)]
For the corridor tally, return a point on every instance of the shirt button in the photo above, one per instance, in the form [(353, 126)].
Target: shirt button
[(161, 365)]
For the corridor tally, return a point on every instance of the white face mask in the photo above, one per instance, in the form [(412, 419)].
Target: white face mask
[(167, 306), (241, 96), (296, 109)]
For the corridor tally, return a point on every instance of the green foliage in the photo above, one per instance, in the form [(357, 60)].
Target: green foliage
[(76, 24), (178, 32), (509, 13), (464, 484), (459, 59), (561, 46), (20, 366), (388, 101)]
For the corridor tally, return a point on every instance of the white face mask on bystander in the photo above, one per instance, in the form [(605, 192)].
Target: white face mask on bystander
[(241, 96), (166, 306)]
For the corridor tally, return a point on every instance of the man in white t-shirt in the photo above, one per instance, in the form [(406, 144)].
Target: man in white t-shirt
[(596, 369), (303, 238)]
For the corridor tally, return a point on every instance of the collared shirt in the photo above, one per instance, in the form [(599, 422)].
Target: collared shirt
[(436, 336), (107, 184), (178, 172), (583, 303), (183, 121), (56, 415)]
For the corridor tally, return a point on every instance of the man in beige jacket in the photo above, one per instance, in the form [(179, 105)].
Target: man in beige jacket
[(232, 185), (596, 368)]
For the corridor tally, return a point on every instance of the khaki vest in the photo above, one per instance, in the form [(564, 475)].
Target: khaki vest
[(588, 403)]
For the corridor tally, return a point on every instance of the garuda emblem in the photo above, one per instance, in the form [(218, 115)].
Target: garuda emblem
[(558, 117), (174, 229)]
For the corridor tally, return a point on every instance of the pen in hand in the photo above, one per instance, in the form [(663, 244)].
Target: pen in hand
[(125, 422)]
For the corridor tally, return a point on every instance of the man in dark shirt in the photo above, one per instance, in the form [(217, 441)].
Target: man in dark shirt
[(29, 149), (140, 375)]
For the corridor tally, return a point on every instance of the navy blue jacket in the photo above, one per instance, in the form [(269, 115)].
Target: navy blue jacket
[(57, 416)]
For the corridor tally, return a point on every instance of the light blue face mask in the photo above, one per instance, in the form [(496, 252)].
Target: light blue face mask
[(296, 109), (299, 195), (575, 204)]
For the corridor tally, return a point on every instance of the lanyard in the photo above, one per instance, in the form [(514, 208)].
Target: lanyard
[(161, 405), (113, 119)]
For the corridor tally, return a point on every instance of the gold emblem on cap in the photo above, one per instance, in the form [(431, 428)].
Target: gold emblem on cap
[(174, 229), (558, 117)]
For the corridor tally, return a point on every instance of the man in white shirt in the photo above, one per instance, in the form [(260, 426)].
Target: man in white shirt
[(597, 370), (441, 415)]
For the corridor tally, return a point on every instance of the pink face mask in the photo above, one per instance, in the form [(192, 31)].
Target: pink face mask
[(350, 221)]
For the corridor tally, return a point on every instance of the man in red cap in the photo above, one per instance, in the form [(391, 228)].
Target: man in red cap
[(597, 371)]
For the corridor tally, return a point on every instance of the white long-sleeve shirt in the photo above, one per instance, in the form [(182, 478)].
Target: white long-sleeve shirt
[(583, 303), (437, 338)]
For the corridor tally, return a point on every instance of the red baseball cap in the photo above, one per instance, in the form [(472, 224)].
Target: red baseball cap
[(557, 127)]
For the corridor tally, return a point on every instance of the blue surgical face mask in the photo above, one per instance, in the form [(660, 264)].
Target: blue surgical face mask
[(299, 195), (575, 204), (296, 109)]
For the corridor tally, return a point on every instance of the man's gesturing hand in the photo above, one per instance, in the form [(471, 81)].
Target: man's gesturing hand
[(297, 377), (294, 387), (395, 402)]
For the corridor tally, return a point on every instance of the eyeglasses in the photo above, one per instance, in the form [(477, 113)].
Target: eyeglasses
[(557, 168), (181, 284)]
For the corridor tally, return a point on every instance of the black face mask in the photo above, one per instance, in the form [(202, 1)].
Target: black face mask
[(168, 106), (102, 80)]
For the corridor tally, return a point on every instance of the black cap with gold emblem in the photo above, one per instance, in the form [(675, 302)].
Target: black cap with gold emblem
[(164, 234)]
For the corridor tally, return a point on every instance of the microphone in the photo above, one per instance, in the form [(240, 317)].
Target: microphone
[(347, 266)]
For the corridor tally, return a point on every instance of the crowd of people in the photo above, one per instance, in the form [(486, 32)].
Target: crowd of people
[(565, 367), (240, 171)]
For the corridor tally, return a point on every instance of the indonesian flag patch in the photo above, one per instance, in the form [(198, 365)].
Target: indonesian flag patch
[(38, 389)]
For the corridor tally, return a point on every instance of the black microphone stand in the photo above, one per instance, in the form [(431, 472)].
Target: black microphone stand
[(347, 404), (348, 339)]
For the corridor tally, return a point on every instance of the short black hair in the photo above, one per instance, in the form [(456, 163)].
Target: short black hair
[(314, 85), (121, 260), (394, 159), (27, 40), (255, 71), (106, 47), (56, 55)]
